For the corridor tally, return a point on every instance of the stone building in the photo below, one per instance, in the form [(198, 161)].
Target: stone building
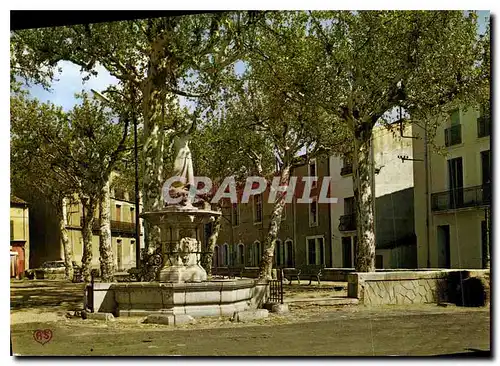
[(123, 241), (304, 232), (459, 196), (19, 236), (46, 244)]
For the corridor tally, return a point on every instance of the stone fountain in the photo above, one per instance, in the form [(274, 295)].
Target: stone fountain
[(181, 285)]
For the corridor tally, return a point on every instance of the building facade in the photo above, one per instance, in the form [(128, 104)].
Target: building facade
[(304, 235), (394, 214), (19, 237), (45, 233), (459, 192), (123, 240)]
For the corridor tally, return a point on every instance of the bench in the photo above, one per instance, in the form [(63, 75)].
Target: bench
[(310, 272), (234, 271), (291, 273)]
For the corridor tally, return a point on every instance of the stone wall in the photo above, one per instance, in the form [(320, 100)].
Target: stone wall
[(413, 287)]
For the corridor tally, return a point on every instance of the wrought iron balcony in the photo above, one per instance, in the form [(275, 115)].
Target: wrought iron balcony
[(483, 126), (116, 226), (122, 227), (346, 169), (453, 135), (461, 198), (347, 222)]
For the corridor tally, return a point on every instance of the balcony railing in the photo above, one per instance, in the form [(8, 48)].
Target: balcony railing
[(483, 126), (346, 169), (123, 227), (453, 135), (116, 226), (461, 198), (347, 222)]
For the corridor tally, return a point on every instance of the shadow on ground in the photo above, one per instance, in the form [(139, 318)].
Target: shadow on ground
[(470, 353), (314, 290), (43, 296)]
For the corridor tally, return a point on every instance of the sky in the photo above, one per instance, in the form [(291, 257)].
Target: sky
[(70, 79)]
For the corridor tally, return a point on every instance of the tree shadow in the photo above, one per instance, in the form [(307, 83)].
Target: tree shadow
[(463, 290), (45, 297)]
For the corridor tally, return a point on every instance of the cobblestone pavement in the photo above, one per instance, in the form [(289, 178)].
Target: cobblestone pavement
[(305, 330)]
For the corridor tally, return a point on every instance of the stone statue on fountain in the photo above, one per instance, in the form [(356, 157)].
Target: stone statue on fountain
[(183, 167)]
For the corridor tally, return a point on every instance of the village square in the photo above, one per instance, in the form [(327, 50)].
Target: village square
[(251, 183)]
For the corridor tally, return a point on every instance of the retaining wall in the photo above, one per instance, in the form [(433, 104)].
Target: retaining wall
[(420, 287)]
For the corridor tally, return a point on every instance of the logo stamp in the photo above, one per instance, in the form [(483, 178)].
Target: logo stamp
[(42, 336)]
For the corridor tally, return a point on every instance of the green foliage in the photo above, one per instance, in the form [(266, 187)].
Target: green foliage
[(376, 60), (64, 153), (38, 162), (199, 45)]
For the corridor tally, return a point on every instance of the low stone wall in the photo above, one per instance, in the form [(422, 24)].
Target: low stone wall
[(329, 274), (211, 298), (413, 287)]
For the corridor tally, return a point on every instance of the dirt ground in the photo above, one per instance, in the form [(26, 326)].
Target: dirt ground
[(305, 330)]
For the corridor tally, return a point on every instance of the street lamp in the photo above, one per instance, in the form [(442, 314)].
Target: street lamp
[(136, 185)]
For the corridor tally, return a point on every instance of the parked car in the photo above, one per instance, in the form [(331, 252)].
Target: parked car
[(50, 270)]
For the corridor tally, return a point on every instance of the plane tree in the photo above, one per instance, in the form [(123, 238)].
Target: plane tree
[(373, 61), (158, 58)]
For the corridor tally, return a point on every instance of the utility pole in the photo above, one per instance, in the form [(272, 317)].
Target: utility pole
[(427, 195), (136, 163), (428, 181)]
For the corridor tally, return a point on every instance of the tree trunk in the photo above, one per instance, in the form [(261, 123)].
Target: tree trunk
[(154, 100), (105, 248), (363, 196), (266, 263), (68, 250), (88, 222), (207, 257)]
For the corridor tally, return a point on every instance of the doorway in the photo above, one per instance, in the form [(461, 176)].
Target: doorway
[(443, 240), (346, 252), (486, 176), (456, 182), (119, 253)]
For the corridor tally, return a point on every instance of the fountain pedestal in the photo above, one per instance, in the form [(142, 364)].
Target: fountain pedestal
[(180, 227)]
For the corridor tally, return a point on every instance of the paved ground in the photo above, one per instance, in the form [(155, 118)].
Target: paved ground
[(309, 330)]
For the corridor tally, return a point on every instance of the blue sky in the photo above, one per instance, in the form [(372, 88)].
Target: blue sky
[(70, 79)]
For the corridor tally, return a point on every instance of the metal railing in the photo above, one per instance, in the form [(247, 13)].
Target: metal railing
[(276, 288), (346, 169), (124, 227), (347, 222), (453, 135), (116, 226), (461, 198), (483, 126)]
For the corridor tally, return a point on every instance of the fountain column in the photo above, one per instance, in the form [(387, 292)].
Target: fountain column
[(180, 246)]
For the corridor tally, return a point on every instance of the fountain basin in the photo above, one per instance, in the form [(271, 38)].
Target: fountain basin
[(208, 298)]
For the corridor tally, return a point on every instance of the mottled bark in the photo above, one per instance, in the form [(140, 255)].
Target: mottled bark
[(363, 195), (105, 248), (266, 263), (67, 249), (154, 92), (207, 256), (89, 207)]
